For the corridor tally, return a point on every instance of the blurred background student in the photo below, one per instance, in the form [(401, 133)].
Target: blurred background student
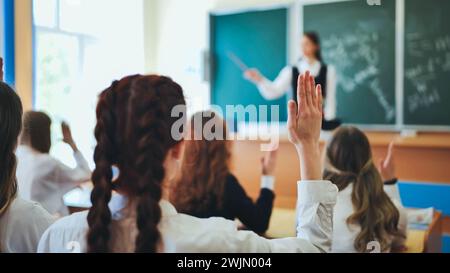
[(207, 188), (21, 222), (41, 177), (364, 212)]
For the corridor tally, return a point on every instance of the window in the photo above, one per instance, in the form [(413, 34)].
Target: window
[(81, 46)]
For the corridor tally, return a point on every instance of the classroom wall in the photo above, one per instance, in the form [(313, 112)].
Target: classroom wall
[(175, 25), (150, 27), (185, 24), (24, 51)]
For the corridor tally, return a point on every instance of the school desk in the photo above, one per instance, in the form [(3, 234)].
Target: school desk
[(429, 240), (423, 158)]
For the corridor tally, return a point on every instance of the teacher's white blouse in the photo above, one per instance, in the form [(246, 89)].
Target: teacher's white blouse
[(45, 180), (271, 90), (22, 225), (184, 233)]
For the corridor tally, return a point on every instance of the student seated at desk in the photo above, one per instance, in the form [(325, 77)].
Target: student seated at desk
[(21, 222), (207, 188), (41, 177), (364, 211), (137, 133)]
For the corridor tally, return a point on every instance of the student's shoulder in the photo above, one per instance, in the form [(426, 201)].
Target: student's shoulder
[(195, 224), (232, 186), (28, 217), (27, 209), (232, 181), (65, 234), (72, 223)]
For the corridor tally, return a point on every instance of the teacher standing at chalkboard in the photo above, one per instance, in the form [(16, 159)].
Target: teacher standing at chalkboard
[(286, 81)]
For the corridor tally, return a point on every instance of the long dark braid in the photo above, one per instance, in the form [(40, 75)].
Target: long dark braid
[(150, 129), (99, 217), (137, 121)]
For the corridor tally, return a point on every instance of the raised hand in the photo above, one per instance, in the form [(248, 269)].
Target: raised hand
[(67, 136), (253, 75), (387, 165), (304, 126), (269, 162)]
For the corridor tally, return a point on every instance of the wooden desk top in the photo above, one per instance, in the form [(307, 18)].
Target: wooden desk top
[(283, 224)]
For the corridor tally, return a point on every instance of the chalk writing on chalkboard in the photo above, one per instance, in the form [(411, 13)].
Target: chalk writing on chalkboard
[(432, 59), (357, 62)]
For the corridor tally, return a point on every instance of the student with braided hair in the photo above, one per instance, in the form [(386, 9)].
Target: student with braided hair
[(131, 213)]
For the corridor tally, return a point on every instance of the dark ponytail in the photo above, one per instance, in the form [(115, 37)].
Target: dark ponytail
[(315, 39), (139, 127)]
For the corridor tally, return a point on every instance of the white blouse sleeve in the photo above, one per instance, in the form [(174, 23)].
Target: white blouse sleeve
[(81, 173), (330, 101), (316, 200), (279, 87)]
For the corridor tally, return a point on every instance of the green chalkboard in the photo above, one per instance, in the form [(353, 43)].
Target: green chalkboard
[(259, 39), (427, 62), (359, 41)]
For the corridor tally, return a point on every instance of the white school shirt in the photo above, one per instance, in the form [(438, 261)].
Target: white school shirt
[(45, 180), (344, 235), (187, 234), (272, 90), (22, 225)]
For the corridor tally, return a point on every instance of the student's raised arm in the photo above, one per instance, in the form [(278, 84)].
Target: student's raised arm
[(304, 126), (81, 173), (270, 90), (316, 198)]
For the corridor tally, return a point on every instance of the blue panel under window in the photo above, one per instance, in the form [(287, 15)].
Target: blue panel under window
[(426, 195), (9, 61), (446, 243)]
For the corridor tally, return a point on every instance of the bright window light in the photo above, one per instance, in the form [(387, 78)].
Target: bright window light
[(93, 43), (44, 13)]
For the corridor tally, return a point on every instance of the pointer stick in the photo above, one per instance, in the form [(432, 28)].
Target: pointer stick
[(238, 62)]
